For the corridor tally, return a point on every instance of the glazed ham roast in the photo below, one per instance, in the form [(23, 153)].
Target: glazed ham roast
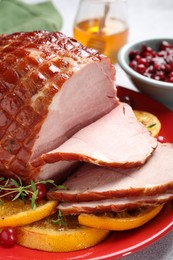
[(50, 88), (58, 108)]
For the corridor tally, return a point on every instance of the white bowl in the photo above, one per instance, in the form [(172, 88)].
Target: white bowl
[(159, 90)]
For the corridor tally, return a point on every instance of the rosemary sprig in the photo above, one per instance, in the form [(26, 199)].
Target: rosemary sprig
[(19, 190)]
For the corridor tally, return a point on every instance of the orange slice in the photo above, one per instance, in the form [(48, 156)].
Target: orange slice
[(150, 121), (16, 213), (120, 221), (43, 235)]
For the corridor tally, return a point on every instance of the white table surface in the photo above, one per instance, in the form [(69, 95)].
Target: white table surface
[(147, 19)]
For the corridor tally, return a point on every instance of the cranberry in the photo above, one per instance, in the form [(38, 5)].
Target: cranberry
[(133, 64), (168, 68), (160, 75), (170, 79), (145, 49), (133, 54), (156, 66), (141, 68), (8, 237), (171, 74), (161, 139), (138, 58), (171, 65), (41, 192), (143, 61), (165, 45)]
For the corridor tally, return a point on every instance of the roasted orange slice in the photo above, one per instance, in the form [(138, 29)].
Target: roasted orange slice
[(120, 221), (16, 213), (46, 236), (150, 121)]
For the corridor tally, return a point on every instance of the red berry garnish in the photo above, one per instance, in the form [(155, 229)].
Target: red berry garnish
[(8, 237), (133, 54), (141, 68), (41, 192), (161, 139), (133, 64), (165, 45)]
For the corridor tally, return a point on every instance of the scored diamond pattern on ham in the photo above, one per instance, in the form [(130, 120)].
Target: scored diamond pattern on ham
[(41, 88)]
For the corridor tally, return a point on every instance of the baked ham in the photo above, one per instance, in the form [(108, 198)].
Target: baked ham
[(90, 182), (50, 88)]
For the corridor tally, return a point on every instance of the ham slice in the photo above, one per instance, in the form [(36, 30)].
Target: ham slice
[(91, 183), (114, 204), (116, 139)]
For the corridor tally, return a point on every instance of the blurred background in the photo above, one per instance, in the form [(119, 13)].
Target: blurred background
[(146, 19)]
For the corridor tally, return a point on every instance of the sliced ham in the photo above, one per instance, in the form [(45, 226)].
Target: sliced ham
[(114, 204), (116, 139), (50, 87), (92, 182)]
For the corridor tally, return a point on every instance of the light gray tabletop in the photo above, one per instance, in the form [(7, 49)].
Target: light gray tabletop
[(147, 19)]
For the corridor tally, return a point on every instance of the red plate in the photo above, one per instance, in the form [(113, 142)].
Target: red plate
[(119, 243)]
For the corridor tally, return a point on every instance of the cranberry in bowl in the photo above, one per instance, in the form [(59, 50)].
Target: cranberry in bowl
[(149, 65)]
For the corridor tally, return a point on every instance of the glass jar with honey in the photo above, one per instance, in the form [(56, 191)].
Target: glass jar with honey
[(102, 25)]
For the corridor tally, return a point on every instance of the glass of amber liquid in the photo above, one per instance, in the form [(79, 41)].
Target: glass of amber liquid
[(102, 25)]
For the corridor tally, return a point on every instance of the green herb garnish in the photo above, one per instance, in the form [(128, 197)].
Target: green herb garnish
[(59, 221), (19, 190), (150, 126)]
